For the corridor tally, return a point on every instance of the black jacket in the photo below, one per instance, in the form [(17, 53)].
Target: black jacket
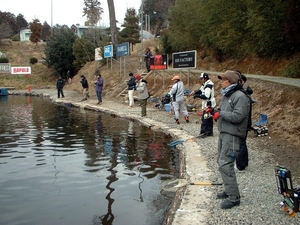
[(84, 83)]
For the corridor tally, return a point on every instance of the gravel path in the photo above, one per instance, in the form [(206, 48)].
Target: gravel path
[(194, 204)]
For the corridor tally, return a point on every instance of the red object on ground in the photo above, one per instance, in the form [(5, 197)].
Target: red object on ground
[(28, 88)]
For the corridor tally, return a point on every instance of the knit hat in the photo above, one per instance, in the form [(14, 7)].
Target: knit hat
[(130, 74), (138, 77), (232, 76)]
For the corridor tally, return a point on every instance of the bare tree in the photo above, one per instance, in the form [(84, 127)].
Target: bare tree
[(36, 31), (92, 11), (113, 22)]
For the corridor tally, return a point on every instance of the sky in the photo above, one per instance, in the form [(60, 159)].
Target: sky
[(66, 12)]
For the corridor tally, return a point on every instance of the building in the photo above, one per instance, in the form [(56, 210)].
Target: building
[(25, 34)]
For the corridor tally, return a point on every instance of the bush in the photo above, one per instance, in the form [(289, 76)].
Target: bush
[(16, 37), (33, 60), (4, 60), (292, 70)]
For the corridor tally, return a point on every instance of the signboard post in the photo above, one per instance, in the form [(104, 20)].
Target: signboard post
[(108, 53), (184, 59), (123, 50), (22, 70)]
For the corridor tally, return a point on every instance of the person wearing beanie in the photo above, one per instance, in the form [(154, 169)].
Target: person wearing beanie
[(177, 93), (131, 83), (99, 88), (232, 117), (143, 94)]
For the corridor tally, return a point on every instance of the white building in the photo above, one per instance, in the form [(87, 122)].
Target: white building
[(25, 34)]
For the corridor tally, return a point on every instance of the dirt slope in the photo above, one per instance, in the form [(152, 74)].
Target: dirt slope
[(279, 102)]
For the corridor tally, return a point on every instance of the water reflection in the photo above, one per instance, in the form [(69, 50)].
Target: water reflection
[(69, 166)]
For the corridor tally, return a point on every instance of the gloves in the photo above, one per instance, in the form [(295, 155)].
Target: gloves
[(216, 116), (209, 109)]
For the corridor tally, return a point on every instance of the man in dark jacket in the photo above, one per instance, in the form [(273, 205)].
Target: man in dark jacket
[(232, 118), (131, 87), (85, 86), (59, 86)]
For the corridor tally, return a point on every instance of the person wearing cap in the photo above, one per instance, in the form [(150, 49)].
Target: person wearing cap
[(131, 87), (99, 88), (206, 91), (207, 94), (143, 93), (177, 93), (232, 117), (85, 86)]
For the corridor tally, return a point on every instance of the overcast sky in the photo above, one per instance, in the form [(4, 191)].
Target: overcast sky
[(64, 11)]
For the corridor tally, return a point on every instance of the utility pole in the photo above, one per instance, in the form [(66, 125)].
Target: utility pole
[(142, 47), (51, 17)]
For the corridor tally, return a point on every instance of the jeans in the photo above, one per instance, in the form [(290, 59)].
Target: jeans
[(99, 96)]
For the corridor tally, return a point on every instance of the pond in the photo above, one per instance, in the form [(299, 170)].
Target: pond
[(65, 165)]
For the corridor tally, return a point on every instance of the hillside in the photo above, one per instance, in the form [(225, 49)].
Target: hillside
[(280, 102)]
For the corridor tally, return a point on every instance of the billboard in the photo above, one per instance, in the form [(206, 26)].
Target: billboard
[(108, 51), (21, 70), (123, 49), (185, 59), (159, 62)]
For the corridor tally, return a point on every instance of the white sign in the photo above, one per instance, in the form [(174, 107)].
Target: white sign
[(21, 70), (98, 54)]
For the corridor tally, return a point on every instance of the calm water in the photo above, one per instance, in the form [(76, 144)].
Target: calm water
[(62, 165)]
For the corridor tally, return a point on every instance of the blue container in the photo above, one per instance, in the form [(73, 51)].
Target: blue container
[(3, 92), (168, 107)]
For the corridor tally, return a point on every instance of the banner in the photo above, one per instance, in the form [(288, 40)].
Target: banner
[(21, 70)]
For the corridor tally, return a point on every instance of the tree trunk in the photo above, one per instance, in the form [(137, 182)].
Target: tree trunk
[(113, 23)]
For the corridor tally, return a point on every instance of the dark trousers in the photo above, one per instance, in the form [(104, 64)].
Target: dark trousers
[(242, 158), (60, 91), (207, 126)]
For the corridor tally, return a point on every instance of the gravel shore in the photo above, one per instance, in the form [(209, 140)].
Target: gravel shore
[(194, 204)]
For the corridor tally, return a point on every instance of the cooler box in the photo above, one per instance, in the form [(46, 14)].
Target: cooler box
[(168, 107)]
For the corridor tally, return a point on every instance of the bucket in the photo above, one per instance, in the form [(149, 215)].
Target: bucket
[(3, 92), (168, 107)]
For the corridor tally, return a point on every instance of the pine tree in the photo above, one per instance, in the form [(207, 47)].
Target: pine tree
[(130, 33)]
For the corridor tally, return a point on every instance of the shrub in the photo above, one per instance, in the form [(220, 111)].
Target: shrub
[(16, 37), (4, 60), (292, 70), (33, 60)]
